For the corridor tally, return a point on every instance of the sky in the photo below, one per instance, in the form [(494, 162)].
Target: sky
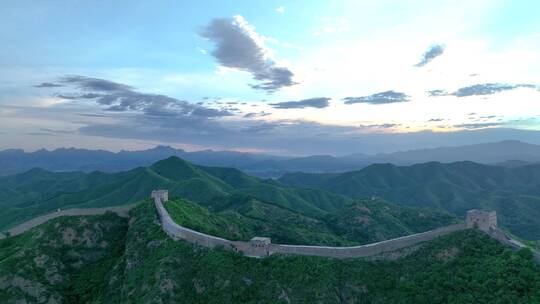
[(275, 77)]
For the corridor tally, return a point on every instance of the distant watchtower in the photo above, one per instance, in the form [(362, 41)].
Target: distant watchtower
[(483, 220), (260, 245), (163, 195)]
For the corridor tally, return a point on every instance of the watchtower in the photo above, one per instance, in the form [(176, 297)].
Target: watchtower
[(163, 195), (260, 246), (483, 220)]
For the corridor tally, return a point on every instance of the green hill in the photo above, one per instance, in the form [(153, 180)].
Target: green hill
[(62, 261), (105, 260), (37, 191), (361, 222), (456, 188)]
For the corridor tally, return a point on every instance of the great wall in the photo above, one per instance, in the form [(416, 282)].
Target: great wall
[(120, 210), (262, 246), (259, 247)]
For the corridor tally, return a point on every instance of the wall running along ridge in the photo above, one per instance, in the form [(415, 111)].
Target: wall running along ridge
[(178, 232), (122, 211)]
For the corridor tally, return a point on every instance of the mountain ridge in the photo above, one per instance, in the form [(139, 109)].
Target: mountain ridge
[(454, 187), (505, 153)]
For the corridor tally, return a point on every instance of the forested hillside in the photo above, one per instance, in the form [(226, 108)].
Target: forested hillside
[(36, 192), (361, 222), (457, 187), (103, 260)]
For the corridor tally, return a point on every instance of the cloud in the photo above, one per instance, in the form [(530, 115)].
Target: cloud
[(318, 102), (117, 97), (257, 114), (79, 96), (95, 84), (488, 89), (280, 9), (436, 120), (433, 52), (92, 115), (56, 131), (293, 137), (472, 126), (482, 89), (39, 134), (238, 46), (261, 128), (435, 93), (48, 85), (379, 98), (380, 126)]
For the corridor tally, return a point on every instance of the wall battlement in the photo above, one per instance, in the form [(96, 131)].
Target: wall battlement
[(259, 247), (483, 220), (163, 195)]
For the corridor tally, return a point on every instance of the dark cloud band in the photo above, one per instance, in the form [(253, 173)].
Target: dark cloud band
[(482, 89), (379, 98), (318, 102)]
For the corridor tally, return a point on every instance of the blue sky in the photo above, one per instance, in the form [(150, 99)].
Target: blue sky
[(281, 77)]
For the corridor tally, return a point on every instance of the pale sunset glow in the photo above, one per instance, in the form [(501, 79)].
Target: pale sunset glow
[(226, 78)]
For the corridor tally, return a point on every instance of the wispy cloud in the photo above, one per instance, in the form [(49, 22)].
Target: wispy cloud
[(488, 89), (280, 9), (380, 126), (238, 46), (435, 93), (481, 125), (433, 52), (256, 114), (47, 85), (117, 97), (481, 89), (379, 98), (318, 102)]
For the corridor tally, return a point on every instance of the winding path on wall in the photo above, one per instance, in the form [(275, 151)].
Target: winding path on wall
[(252, 250), (176, 231), (122, 211)]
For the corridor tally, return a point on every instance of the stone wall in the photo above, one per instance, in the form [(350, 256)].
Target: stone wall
[(483, 220), (369, 249), (178, 232), (121, 211)]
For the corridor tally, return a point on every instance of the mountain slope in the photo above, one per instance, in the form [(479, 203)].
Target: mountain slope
[(102, 259), (37, 192), (455, 187), (18, 161), (62, 261), (361, 222), (434, 274)]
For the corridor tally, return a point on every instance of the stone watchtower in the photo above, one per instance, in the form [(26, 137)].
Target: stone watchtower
[(260, 246), (163, 195), (483, 220)]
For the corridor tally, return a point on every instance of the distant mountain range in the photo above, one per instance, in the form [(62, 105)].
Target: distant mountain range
[(107, 259), (454, 187), (220, 201), (505, 153)]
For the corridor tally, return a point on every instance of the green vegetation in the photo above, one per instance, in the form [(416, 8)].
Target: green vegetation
[(37, 192), (456, 188), (368, 221), (140, 264), (64, 260), (103, 259), (361, 222)]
